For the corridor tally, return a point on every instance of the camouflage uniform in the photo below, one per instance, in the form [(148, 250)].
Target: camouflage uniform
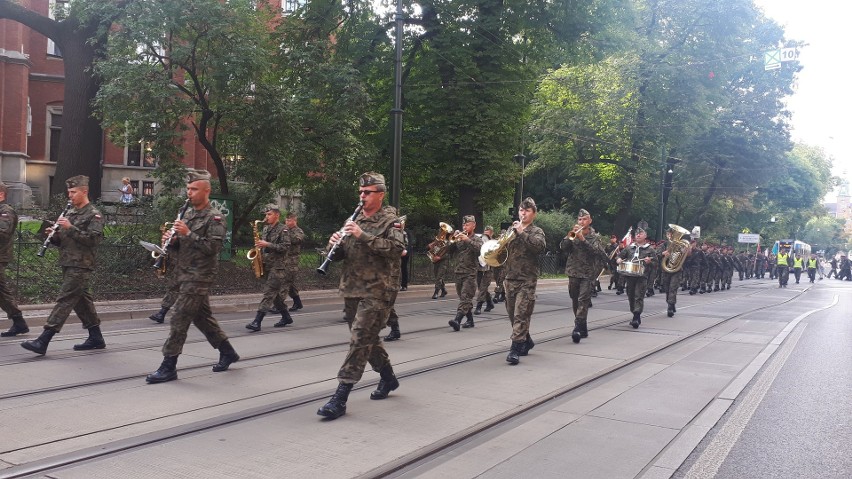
[(77, 258), (367, 281), (582, 270), (297, 238), (279, 275), (467, 261), (197, 263), (522, 271), (671, 282), (396, 281), (692, 268), (8, 227), (637, 285)]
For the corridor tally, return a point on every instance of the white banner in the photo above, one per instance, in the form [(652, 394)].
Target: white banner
[(750, 238)]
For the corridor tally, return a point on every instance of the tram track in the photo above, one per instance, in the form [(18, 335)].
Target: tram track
[(422, 455)]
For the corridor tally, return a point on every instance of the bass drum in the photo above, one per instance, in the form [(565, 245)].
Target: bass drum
[(631, 268)]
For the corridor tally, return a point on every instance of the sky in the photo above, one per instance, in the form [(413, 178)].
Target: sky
[(823, 100)]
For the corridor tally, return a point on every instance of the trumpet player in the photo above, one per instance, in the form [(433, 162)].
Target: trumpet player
[(641, 250), (196, 239), (77, 234), (465, 247), (274, 244), (371, 245), (521, 277), (585, 251)]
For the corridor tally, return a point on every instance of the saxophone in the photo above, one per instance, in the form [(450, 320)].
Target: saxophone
[(254, 254)]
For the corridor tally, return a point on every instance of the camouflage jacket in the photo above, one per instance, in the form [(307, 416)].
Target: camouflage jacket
[(275, 255), (647, 252), (584, 257), (77, 243), (524, 250), (297, 238), (198, 252), (8, 225), (371, 258), (467, 255), (714, 261)]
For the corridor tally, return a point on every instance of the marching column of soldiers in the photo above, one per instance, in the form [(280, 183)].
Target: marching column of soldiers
[(371, 245)]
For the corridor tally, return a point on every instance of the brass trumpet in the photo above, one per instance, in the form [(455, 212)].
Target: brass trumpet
[(572, 235)]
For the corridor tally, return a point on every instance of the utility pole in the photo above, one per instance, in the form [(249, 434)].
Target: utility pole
[(662, 192), (396, 167)]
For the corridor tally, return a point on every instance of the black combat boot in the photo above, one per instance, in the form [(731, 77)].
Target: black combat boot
[(19, 326), (94, 341), (514, 354), (39, 344), (297, 303), (387, 384), (394, 333), (636, 321), (469, 322), (478, 309), (455, 323), (693, 291), (258, 318), (285, 319), (489, 305), (671, 311), (443, 291), (227, 355), (435, 294), (166, 372), (702, 290), (159, 316), (526, 346), (336, 406), (619, 291), (579, 331)]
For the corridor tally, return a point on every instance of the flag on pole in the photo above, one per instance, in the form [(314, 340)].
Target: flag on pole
[(625, 242)]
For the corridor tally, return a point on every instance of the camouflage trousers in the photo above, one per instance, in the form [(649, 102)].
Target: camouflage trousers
[(439, 271), (636, 287), (671, 282), (498, 279), (694, 277), (483, 280), (393, 318), (783, 273), (580, 291), (278, 284), (74, 295), (192, 307), (520, 301), (365, 344), (171, 293), (466, 289), (7, 301)]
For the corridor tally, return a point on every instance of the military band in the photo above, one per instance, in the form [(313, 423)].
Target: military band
[(640, 252), (584, 249), (274, 247), (465, 249)]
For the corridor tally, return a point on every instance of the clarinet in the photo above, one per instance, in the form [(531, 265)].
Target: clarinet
[(46, 243), (324, 266), (160, 259)]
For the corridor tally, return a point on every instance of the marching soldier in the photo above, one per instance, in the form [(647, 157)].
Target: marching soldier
[(397, 272), (672, 280), (466, 250), (197, 245), (439, 270), (522, 272), (498, 273), (584, 249), (484, 275), (371, 247), (274, 244), (77, 234), (759, 265), (8, 226), (172, 290), (640, 250), (297, 238), (692, 267), (772, 265)]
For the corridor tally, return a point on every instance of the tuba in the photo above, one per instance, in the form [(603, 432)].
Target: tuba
[(254, 254), (494, 252), (442, 240), (678, 249)]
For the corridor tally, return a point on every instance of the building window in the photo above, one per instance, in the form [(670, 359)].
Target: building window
[(54, 132), (134, 153), (57, 10), (290, 6), (147, 188), (135, 185), (140, 154)]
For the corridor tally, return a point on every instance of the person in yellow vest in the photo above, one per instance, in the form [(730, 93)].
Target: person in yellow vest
[(782, 266), (798, 266), (812, 268)]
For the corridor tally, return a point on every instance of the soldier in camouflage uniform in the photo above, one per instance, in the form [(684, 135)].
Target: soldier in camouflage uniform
[(172, 290), (640, 250), (197, 243), (522, 271), (499, 275), (671, 281), (77, 234), (440, 265), (584, 253), (396, 279), (8, 226), (297, 238), (692, 267), (484, 275), (274, 244), (372, 246), (466, 250)]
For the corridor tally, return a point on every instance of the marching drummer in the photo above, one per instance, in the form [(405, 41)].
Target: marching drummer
[(634, 264)]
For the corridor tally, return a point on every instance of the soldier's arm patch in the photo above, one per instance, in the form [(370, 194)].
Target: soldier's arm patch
[(217, 218), (397, 225), (98, 216)]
